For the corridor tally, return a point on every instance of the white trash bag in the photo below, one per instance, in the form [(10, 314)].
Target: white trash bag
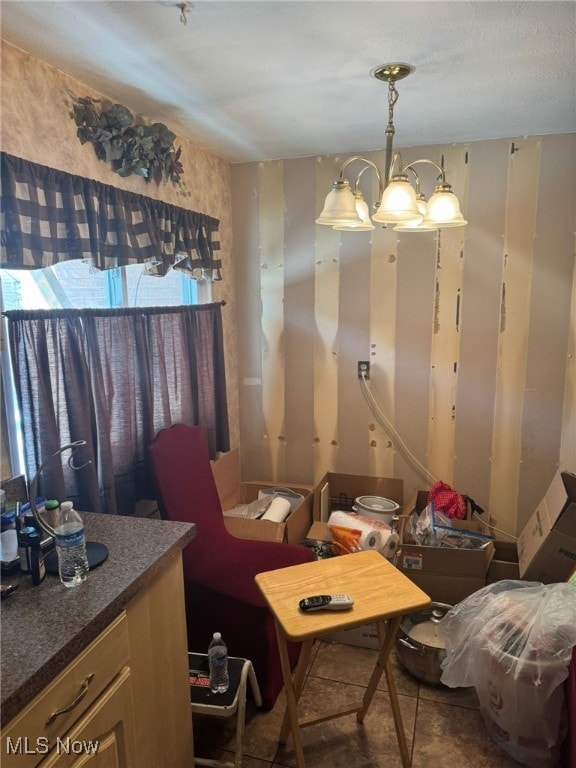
[(513, 641)]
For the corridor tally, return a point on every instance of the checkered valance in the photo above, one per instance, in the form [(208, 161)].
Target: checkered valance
[(50, 216)]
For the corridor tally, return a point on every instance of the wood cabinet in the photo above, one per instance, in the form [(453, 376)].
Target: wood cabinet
[(103, 738), (124, 702)]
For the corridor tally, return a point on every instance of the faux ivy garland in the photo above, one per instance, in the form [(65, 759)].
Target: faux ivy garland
[(146, 150)]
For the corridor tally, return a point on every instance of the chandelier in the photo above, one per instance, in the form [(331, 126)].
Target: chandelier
[(399, 202)]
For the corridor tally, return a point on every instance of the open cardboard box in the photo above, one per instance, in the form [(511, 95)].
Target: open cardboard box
[(447, 575), (233, 492), (504, 564), (337, 491), (547, 544)]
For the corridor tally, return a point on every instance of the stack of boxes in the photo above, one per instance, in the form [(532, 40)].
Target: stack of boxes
[(545, 550)]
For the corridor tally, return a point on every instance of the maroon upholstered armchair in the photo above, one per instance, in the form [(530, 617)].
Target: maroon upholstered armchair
[(219, 569)]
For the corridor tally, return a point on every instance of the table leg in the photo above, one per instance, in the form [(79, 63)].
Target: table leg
[(383, 664), (298, 682), (398, 724), (291, 696)]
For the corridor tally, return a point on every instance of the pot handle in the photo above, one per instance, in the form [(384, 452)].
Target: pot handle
[(409, 645)]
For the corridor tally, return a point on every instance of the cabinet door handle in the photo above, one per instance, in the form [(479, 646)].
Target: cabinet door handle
[(82, 692)]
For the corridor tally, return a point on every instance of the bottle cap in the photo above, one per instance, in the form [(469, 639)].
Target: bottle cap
[(8, 519), (25, 533), (51, 504), (217, 635)]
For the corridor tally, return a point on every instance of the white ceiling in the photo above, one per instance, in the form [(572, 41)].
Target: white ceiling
[(289, 78)]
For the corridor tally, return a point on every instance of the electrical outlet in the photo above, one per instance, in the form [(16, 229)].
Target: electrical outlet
[(364, 369)]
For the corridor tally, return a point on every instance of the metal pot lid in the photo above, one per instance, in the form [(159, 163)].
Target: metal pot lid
[(434, 613), (377, 503)]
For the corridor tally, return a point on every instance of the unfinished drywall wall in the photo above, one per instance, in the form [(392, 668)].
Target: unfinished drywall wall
[(35, 103), (469, 331)]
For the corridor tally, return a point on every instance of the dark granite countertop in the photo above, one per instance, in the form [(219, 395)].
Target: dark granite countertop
[(45, 627)]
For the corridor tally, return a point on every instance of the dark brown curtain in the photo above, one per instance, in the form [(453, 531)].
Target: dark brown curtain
[(114, 378), (50, 216)]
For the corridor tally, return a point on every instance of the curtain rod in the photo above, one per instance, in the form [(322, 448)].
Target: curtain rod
[(113, 310)]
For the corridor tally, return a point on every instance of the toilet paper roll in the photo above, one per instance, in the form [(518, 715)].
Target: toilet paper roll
[(278, 510), (390, 545), (370, 538)]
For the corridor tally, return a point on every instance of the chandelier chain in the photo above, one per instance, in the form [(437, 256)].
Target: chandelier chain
[(392, 99)]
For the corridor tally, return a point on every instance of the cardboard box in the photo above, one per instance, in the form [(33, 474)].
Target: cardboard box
[(446, 589), (547, 545), (319, 531), (504, 564), (446, 575), (365, 636), (233, 493), (445, 561), (337, 491)]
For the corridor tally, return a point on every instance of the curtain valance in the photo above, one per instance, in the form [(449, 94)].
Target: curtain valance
[(50, 216)]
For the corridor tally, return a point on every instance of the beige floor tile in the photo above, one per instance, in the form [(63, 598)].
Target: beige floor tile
[(461, 697), (454, 736), (351, 664), (345, 743)]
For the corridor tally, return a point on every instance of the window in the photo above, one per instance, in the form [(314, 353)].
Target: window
[(77, 284)]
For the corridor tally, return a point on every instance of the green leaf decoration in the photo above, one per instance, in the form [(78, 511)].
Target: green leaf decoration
[(130, 147)]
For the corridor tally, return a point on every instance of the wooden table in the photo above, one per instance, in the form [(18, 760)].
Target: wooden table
[(380, 591)]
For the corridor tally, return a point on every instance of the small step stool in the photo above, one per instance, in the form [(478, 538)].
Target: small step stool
[(232, 702)]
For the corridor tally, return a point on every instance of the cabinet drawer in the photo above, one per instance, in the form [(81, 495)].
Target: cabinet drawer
[(34, 732), (103, 738)]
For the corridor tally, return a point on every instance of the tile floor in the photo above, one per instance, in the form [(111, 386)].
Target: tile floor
[(444, 728)]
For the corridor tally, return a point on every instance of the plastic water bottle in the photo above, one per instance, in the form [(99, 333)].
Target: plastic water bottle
[(70, 546), (218, 663)]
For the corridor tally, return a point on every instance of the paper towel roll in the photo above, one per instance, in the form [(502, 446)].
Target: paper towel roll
[(278, 510), (370, 538), (390, 545)]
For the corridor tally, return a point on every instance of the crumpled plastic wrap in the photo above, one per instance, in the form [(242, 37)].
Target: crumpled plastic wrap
[(513, 642)]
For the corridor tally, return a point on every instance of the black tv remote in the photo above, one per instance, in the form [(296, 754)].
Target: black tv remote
[(326, 603)]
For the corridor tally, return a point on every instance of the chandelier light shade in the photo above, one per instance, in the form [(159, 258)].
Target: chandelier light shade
[(339, 206), (399, 202), (443, 209), (362, 211), (416, 225)]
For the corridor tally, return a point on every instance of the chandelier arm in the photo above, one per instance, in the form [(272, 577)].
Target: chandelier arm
[(430, 162), (32, 491), (416, 179), (367, 164), (365, 160)]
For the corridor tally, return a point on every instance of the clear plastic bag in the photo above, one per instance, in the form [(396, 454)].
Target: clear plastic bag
[(251, 511), (432, 528), (513, 642)]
